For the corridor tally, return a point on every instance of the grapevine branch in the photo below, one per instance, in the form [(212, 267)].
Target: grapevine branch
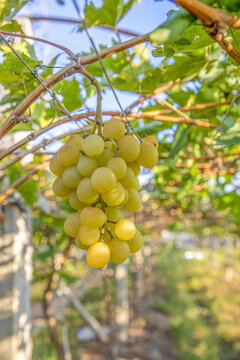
[(70, 69), (216, 23)]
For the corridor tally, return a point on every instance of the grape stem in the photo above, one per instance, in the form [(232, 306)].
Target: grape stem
[(98, 118)]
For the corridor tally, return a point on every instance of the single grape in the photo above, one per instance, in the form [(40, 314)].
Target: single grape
[(109, 144), (86, 166), (81, 245), (126, 197), (119, 251), (72, 224), (76, 140), (118, 166), (106, 237), (129, 148), (55, 166), (71, 177), (130, 180), (103, 180), (114, 197), (151, 139), (68, 154), (88, 236), (92, 217), (134, 201), (114, 129), (136, 242), (105, 156), (74, 202), (148, 155), (125, 229), (85, 192), (98, 255), (114, 213), (135, 167), (59, 188), (93, 145)]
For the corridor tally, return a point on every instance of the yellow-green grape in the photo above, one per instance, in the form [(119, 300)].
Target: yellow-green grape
[(74, 201), (86, 166), (135, 167), (114, 213), (129, 148), (93, 145), (60, 189), (111, 227), (119, 251), (125, 229), (126, 197), (136, 242), (103, 180), (76, 140), (71, 177), (114, 197), (88, 236), (130, 180), (68, 154), (109, 144), (114, 129), (106, 237), (72, 224), (151, 139), (85, 192), (55, 166), (118, 166), (134, 201), (81, 245), (105, 156), (148, 155), (92, 217), (98, 255)]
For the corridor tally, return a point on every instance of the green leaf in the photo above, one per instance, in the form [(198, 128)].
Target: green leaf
[(179, 142), (9, 8), (29, 191), (12, 68), (70, 91)]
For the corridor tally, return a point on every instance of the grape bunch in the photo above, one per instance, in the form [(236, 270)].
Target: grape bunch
[(98, 174)]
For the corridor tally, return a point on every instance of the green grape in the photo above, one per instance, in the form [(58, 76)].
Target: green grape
[(151, 139), (148, 155), (81, 245), (135, 167), (126, 197), (136, 242), (55, 166), (118, 166), (74, 202), (71, 177), (109, 144), (76, 140), (113, 213), (85, 192), (103, 180), (130, 180), (59, 188), (86, 166), (93, 145), (114, 129), (125, 229), (129, 148), (68, 154), (98, 255), (134, 201), (119, 251), (105, 156), (88, 236), (72, 224), (114, 197), (92, 217)]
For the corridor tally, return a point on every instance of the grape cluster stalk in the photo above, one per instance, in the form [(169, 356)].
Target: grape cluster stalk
[(98, 173)]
